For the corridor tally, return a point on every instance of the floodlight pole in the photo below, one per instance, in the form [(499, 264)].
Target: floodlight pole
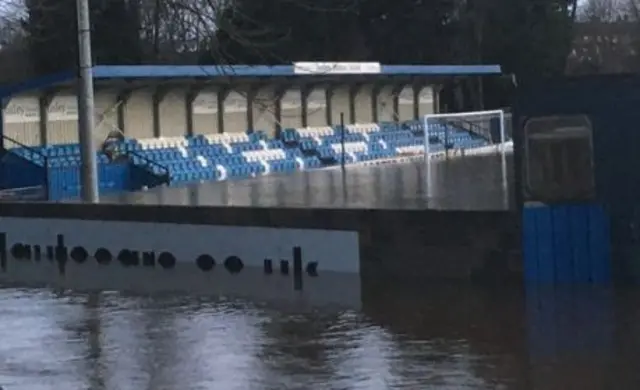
[(89, 169), (342, 152)]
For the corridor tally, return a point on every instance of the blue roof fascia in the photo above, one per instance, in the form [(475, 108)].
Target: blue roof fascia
[(194, 71), (189, 71), (442, 70), (36, 83), (106, 72)]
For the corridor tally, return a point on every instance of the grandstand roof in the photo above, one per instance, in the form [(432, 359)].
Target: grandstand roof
[(196, 72)]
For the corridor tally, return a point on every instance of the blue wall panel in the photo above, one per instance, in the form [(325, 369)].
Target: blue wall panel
[(530, 244), (579, 236), (562, 252), (64, 181), (599, 245), (566, 244), (544, 228)]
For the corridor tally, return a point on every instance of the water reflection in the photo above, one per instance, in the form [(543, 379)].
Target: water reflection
[(442, 337), (470, 183)]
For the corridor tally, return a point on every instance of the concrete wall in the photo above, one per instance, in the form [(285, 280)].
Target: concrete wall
[(385, 110), (205, 112), (235, 112), (291, 108), (173, 113), (362, 104), (169, 111), (393, 244), (264, 110), (138, 114), (316, 107), (340, 103)]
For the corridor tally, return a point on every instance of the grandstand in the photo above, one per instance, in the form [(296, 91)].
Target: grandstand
[(246, 143), (179, 160)]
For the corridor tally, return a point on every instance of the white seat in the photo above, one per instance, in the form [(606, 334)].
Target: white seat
[(350, 147)]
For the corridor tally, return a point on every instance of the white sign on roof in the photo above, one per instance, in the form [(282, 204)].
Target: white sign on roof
[(319, 68)]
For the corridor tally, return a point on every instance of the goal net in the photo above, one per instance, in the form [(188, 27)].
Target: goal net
[(467, 133), (461, 133)]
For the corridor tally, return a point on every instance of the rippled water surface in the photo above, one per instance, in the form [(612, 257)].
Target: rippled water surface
[(431, 337), (469, 183), (441, 338)]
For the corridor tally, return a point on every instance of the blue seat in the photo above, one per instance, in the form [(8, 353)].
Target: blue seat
[(299, 151)]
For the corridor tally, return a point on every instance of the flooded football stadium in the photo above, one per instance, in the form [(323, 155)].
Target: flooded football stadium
[(441, 336)]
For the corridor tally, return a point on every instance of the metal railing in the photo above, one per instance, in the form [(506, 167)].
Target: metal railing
[(27, 156), (165, 176), (24, 193), (31, 151)]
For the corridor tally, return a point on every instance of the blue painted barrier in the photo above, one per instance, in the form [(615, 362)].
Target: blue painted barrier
[(566, 244), (64, 180), (18, 172)]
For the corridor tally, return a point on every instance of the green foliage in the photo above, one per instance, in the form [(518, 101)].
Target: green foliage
[(51, 32), (281, 31), (50, 29), (528, 37)]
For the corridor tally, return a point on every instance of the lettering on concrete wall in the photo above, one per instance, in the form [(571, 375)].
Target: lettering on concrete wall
[(206, 103), (63, 108), (61, 254), (27, 110), (164, 246), (22, 110)]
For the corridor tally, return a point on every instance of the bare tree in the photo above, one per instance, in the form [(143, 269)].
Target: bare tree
[(604, 36), (14, 57), (604, 11)]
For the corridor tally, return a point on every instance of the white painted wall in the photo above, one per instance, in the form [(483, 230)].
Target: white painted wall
[(405, 104), (340, 104), (22, 120), (291, 108), (186, 242), (173, 114), (364, 105), (264, 111), (138, 114), (338, 264), (317, 107), (62, 126), (235, 112), (106, 109), (21, 115), (384, 104), (205, 112), (426, 101)]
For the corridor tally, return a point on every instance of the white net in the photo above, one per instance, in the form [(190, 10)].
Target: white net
[(462, 133), (467, 133)]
